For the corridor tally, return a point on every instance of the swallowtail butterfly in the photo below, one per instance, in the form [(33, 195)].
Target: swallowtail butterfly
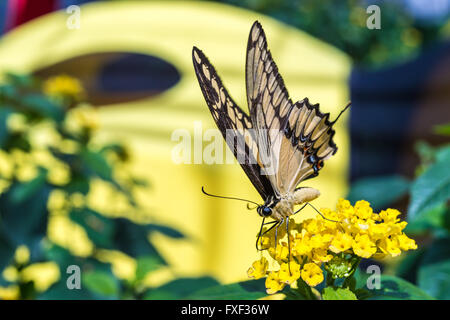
[(292, 138)]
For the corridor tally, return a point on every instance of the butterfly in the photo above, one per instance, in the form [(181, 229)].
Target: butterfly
[(279, 144)]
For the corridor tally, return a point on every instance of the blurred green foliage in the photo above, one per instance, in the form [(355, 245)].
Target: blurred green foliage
[(428, 216), (343, 25), (35, 171)]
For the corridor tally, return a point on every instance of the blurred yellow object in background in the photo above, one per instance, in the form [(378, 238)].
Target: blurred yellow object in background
[(222, 232)]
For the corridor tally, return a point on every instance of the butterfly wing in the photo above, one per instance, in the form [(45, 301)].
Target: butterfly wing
[(231, 120), (293, 139)]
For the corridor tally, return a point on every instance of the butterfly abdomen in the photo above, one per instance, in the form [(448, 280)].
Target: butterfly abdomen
[(285, 206), (302, 195)]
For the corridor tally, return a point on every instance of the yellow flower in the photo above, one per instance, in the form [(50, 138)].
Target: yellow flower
[(313, 226), (280, 253), (6, 165), (265, 242), (321, 240), (302, 245), (77, 200), (17, 123), (10, 293), (406, 243), (22, 255), (378, 231), (341, 242), (363, 209), (344, 208), (289, 272), (26, 172), (357, 233), (258, 268), (363, 246), (59, 174), (273, 283), (389, 215), (321, 255), (312, 274), (81, 119), (11, 274), (57, 200), (63, 85), (390, 246)]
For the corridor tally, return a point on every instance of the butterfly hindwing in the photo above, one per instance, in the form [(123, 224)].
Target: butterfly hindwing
[(311, 134), (229, 116)]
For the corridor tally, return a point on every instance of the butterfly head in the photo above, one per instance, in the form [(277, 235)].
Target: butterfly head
[(264, 211)]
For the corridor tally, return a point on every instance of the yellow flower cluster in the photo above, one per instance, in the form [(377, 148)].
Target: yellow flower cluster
[(64, 86), (82, 119), (355, 231), (24, 166)]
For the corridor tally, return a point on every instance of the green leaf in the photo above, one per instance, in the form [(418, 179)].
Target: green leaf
[(24, 222), (102, 283), (429, 190), (331, 293), (435, 279), (145, 265), (394, 288), (4, 114), (63, 258), (20, 80), (433, 219), (408, 267), (302, 292), (6, 252), (180, 288), (246, 290), (99, 228), (118, 149), (132, 239), (434, 272), (23, 191), (43, 106), (443, 154), (59, 291), (78, 183), (96, 164), (379, 191), (165, 230)]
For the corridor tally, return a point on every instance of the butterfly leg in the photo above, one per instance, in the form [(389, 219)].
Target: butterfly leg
[(300, 208), (289, 245), (274, 224), (276, 234), (319, 212)]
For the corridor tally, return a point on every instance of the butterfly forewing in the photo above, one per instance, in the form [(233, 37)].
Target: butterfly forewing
[(231, 120)]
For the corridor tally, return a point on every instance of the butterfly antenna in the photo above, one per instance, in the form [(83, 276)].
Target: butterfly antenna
[(232, 198), (343, 110)]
